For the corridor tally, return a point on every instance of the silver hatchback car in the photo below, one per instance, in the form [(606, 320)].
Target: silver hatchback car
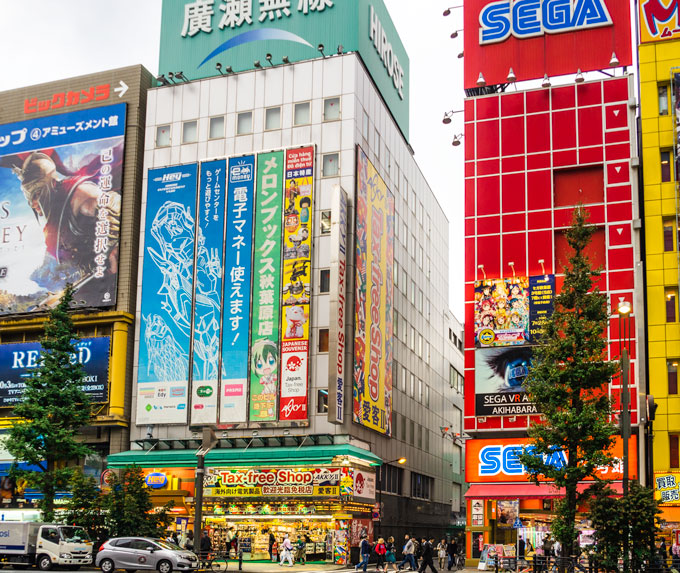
[(133, 553)]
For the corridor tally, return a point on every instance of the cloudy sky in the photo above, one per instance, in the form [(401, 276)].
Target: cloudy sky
[(44, 40)]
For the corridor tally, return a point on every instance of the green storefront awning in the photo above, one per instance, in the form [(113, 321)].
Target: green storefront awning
[(270, 456)]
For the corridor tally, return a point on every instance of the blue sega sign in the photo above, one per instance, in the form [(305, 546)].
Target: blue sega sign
[(495, 460)]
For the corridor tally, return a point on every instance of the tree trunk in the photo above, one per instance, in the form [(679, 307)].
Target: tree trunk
[(49, 492)]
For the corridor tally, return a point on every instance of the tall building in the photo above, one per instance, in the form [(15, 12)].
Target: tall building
[(293, 284), (70, 191), (659, 53)]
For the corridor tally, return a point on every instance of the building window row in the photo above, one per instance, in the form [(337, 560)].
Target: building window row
[(421, 486), (456, 379), (391, 479)]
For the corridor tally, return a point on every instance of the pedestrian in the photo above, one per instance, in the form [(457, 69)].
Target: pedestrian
[(272, 542), (547, 550), (428, 555), (391, 555), (189, 542), (441, 552), (205, 547), (300, 551), (675, 554), (452, 551), (287, 551), (174, 537), (408, 551), (663, 554), (521, 546), (380, 552), (364, 553)]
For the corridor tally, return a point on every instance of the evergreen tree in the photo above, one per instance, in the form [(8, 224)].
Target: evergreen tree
[(52, 411), (130, 509), (86, 506), (567, 381)]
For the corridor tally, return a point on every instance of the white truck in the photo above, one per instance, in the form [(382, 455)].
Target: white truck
[(45, 545)]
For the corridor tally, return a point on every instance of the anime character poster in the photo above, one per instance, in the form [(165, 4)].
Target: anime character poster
[(237, 287), (266, 301), (502, 312), (208, 292), (541, 304), (60, 208), (507, 510), (499, 375), (166, 297), (374, 257), (297, 282)]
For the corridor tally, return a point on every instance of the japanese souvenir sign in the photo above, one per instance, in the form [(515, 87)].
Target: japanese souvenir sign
[(256, 482)]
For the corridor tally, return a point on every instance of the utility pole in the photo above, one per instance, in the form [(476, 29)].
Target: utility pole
[(208, 443)]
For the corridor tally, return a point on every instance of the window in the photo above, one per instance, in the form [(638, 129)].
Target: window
[(427, 395), (50, 534), (412, 293), (325, 222), (322, 402), (331, 109), (330, 166), (163, 136), (419, 300), (272, 118), (663, 100), (396, 324), (324, 281), (419, 348), (396, 274), (668, 235), (674, 447), (412, 199), (364, 126), (426, 358), (455, 379), (421, 486), (190, 131), (216, 127), (412, 344), (403, 428), (412, 433), (402, 381), (244, 123), (420, 436), (665, 166), (455, 462), (391, 479), (457, 421), (302, 114), (671, 304), (412, 386), (323, 340), (672, 369), (419, 260)]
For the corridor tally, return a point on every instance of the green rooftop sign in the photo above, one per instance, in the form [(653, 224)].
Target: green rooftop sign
[(196, 35)]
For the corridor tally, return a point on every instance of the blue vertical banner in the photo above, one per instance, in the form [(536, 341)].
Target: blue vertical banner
[(237, 289), (208, 292), (166, 299)]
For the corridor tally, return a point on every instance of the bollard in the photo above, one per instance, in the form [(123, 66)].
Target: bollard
[(240, 560)]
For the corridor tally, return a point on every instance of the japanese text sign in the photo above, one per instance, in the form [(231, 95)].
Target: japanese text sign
[(667, 487)]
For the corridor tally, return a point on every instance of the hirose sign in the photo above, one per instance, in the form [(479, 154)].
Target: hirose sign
[(537, 37)]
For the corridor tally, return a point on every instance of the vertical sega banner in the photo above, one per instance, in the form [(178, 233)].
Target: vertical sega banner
[(296, 283), (372, 391), (61, 186), (166, 298), (264, 343), (237, 289), (541, 304), (208, 292), (337, 340)]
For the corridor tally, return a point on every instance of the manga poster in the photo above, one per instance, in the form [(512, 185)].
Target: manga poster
[(296, 282), (507, 510), (208, 292), (237, 288), (502, 312), (264, 332), (166, 297), (60, 208), (374, 254)]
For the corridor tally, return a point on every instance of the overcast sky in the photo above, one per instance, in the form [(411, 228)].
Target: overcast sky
[(46, 40)]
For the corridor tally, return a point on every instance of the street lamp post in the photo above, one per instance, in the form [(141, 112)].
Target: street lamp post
[(624, 309), (401, 461)]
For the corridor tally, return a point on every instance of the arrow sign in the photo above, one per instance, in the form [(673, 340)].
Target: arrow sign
[(517, 524), (122, 89)]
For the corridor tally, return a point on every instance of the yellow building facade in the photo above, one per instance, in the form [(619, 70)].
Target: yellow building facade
[(659, 61)]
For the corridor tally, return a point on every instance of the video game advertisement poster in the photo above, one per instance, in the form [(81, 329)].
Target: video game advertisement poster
[(60, 208), (296, 287)]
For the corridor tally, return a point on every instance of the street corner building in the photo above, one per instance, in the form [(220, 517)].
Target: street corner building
[(531, 156), (292, 315), (70, 196)]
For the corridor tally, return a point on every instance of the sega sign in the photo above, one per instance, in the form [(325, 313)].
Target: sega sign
[(496, 459), (537, 37)]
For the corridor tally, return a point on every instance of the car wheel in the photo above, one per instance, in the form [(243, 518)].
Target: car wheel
[(44, 563), (165, 566), (107, 566)]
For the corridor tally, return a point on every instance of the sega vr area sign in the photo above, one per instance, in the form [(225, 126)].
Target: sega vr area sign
[(537, 37), (196, 35)]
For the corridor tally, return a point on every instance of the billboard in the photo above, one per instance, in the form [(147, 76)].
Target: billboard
[(496, 460), (264, 333), (18, 360), (337, 339), (667, 487), (507, 510), (281, 482), (207, 318), (60, 208), (166, 295), (659, 20), (512, 311), (237, 288), (553, 37), (296, 283), (374, 260)]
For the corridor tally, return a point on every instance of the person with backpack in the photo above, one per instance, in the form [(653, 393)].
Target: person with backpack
[(380, 552), (364, 553), (408, 551), (300, 551), (428, 555), (391, 555), (287, 553)]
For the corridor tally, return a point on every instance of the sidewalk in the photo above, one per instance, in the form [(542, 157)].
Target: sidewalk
[(316, 567)]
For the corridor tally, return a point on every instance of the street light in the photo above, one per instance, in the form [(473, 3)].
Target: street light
[(624, 309), (401, 461)]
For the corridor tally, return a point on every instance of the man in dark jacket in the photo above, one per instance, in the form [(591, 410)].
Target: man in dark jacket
[(364, 552), (428, 556), (452, 552), (205, 547)]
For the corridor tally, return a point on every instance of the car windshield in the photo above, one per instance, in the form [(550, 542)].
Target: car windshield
[(167, 545), (74, 534)]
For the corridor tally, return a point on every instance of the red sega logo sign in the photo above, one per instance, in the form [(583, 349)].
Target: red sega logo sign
[(537, 37)]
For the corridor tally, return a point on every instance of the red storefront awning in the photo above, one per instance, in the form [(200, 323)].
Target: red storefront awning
[(524, 490)]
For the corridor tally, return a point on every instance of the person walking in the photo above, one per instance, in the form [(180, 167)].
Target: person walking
[(205, 547), (521, 546), (428, 555), (391, 555), (408, 554), (547, 550), (272, 542), (300, 553), (452, 551), (380, 552), (441, 553), (286, 551), (187, 541), (675, 555), (364, 553)]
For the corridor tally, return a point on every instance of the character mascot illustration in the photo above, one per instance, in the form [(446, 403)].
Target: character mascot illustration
[(265, 364), (296, 319)]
